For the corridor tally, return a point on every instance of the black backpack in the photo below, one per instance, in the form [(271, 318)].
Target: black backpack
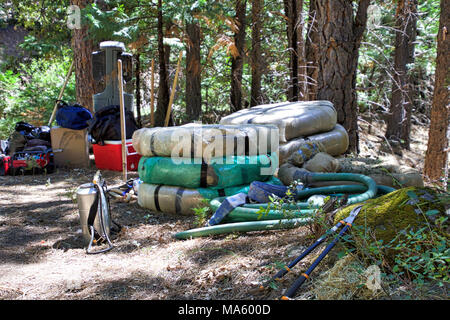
[(106, 124)]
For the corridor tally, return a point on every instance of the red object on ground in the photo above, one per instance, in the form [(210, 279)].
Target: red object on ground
[(109, 156), (5, 162), (20, 162)]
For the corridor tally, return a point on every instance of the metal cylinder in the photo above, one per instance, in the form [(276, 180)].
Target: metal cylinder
[(86, 195)]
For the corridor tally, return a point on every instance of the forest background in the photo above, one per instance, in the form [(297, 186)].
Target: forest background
[(375, 60)]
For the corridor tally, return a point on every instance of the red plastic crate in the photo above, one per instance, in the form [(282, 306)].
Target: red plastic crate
[(109, 156), (5, 163)]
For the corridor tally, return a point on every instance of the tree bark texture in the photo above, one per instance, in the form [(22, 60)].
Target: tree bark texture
[(255, 55), (193, 73), (291, 12), (82, 48), (302, 78), (399, 122), (340, 34), (237, 63), (312, 52), (436, 158), (163, 90)]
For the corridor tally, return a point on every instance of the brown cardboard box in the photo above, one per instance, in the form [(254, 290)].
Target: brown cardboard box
[(70, 147)]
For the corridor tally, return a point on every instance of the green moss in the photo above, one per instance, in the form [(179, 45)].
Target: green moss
[(385, 217)]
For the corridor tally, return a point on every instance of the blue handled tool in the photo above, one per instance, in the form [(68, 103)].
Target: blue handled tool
[(347, 222)]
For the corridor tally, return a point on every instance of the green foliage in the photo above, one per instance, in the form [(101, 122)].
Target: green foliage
[(30, 93), (416, 255), (134, 23), (283, 205), (202, 213), (44, 20), (375, 69), (111, 24)]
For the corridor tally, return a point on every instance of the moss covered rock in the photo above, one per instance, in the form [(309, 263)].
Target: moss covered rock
[(385, 217)]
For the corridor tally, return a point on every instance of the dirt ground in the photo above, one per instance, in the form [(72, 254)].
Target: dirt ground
[(42, 254)]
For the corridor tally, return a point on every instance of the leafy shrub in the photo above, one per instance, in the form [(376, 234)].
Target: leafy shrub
[(29, 94)]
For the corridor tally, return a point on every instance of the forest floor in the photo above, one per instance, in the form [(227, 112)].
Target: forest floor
[(42, 254)]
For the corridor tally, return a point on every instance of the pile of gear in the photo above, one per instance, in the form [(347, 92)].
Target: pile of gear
[(311, 157), (183, 165), (298, 122), (28, 149), (307, 180)]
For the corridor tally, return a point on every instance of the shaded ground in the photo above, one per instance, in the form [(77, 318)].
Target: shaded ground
[(42, 254)]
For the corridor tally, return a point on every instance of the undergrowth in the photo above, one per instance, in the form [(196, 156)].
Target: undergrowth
[(413, 265)]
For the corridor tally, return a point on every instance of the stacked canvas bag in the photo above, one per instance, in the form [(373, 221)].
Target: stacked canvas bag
[(309, 131), (299, 122), (183, 165)]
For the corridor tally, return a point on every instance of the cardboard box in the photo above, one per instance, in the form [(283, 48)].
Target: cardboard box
[(70, 147)]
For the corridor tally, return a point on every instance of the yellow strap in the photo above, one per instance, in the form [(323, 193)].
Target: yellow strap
[(305, 275)]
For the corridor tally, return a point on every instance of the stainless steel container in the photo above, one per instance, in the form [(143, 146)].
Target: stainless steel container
[(86, 195)]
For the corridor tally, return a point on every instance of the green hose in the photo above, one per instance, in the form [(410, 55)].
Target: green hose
[(369, 182), (243, 218), (243, 227), (332, 190), (250, 212)]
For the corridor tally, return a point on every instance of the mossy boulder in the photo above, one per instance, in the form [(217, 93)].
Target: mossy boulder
[(385, 217)]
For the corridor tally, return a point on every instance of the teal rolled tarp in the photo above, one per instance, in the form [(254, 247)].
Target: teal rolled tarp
[(217, 173)]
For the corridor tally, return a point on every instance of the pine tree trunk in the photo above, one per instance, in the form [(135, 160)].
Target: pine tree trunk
[(399, 123), (312, 52), (82, 55), (291, 12), (237, 63), (163, 91), (302, 79), (340, 35), (193, 73), (255, 55), (436, 159)]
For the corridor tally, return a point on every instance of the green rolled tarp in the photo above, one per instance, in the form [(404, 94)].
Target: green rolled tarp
[(217, 173)]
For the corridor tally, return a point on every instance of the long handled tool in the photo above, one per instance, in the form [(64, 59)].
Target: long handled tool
[(66, 80), (172, 94), (347, 222), (123, 129)]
